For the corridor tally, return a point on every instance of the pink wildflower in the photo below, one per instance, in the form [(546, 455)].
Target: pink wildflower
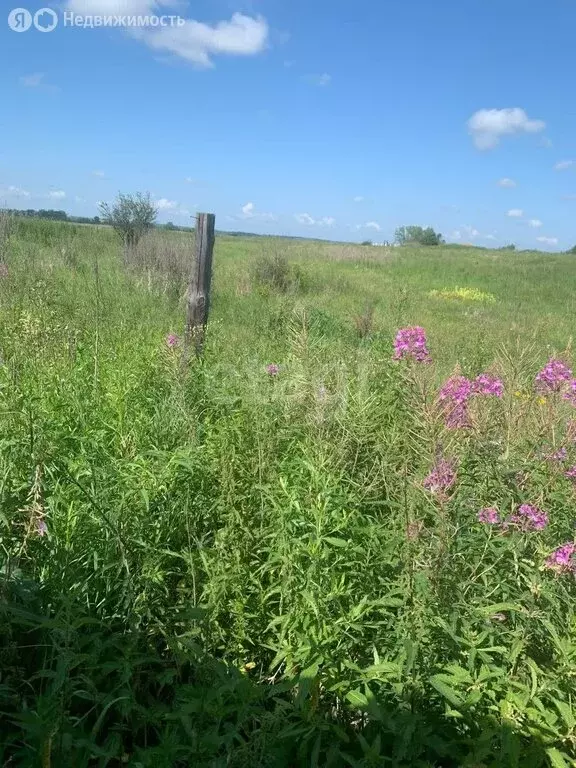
[(553, 376), (489, 515), (172, 340), (559, 455), (528, 518), (442, 477), (485, 384), (272, 369), (411, 342), (41, 527), (571, 473), (457, 389), (563, 559), (571, 394)]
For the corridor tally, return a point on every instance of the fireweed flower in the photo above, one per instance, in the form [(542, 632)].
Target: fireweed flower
[(563, 559), (172, 340), (553, 377), (559, 455), (272, 369), (411, 342), (489, 515), (457, 391), (528, 518), (442, 476), (41, 527), (570, 395), (453, 397), (571, 474), (487, 385)]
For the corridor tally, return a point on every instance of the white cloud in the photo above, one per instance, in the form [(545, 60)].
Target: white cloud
[(98, 174), (166, 205), (32, 81), (507, 183), (57, 194), (534, 223), (78, 199), (197, 42), (248, 211), (490, 237), (194, 41), (488, 126), (321, 80), (548, 240), (304, 218), (372, 225), (358, 199), (465, 232), (13, 191), (515, 213), (564, 164)]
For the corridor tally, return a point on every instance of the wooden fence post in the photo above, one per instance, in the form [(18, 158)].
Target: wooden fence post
[(198, 298)]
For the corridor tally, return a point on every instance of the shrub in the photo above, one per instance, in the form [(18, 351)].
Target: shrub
[(274, 272)]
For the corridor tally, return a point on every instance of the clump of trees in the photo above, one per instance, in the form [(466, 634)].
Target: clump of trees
[(414, 235), (131, 216)]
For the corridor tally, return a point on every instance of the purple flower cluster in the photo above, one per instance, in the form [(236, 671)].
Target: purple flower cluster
[(489, 515), (411, 342), (570, 395), (454, 396), (560, 455), (553, 377), (485, 384), (272, 369), (442, 477), (172, 341), (456, 392), (571, 473), (563, 559), (526, 518)]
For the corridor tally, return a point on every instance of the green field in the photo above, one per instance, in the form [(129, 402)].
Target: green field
[(208, 565)]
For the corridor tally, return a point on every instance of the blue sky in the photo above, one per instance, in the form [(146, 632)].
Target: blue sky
[(336, 119)]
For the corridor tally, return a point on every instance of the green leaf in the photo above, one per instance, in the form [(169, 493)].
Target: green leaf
[(557, 758), (446, 691), (336, 542), (357, 699)]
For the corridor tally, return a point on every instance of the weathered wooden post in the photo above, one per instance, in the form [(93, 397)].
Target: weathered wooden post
[(198, 298)]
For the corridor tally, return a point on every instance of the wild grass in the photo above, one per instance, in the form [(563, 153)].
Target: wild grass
[(224, 567)]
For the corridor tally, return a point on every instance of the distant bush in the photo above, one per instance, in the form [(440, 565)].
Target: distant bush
[(274, 272), (509, 247), (572, 250), (131, 216), (366, 242), (364, 322), (414, 235)]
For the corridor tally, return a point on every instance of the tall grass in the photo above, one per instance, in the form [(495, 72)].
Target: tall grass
[(224, 566)]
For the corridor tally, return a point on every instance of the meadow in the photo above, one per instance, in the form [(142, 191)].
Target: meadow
[(298, 550)]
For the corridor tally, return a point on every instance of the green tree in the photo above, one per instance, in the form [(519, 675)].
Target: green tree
[(417, 235), (131, 216)]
